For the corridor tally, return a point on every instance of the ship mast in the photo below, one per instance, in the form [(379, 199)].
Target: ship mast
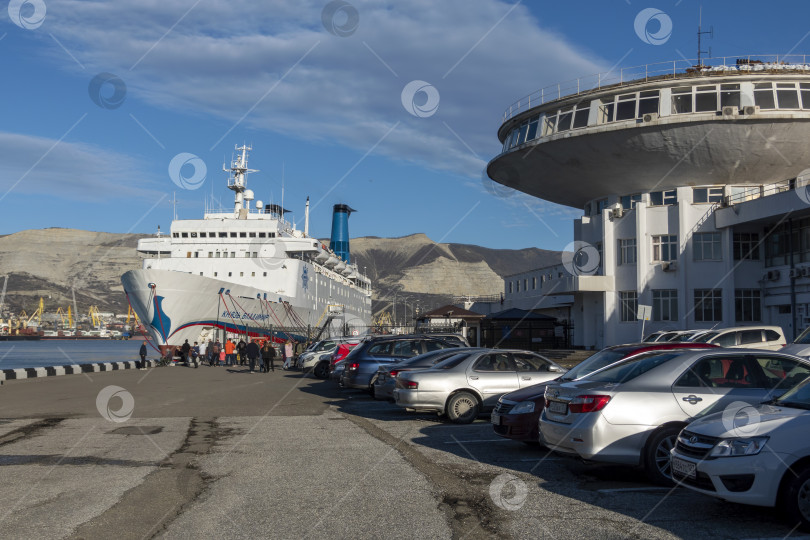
[(237, 181)]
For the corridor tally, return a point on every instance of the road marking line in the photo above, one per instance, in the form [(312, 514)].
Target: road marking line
[(477, 441), (622, 490)]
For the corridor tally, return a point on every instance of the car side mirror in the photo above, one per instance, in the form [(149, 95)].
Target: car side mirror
[(556, 369)]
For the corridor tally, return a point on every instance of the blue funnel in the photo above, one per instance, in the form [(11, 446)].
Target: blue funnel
[(339, 242)]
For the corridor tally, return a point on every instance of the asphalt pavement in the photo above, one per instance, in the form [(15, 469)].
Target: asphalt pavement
[(219, 452)]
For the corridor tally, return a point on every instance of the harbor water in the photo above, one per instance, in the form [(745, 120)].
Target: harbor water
[(60, 352)]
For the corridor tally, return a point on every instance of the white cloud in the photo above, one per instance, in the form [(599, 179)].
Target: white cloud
[(69, 170), (223, 56)]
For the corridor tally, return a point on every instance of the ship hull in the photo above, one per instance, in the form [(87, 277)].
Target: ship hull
[(177, 306)]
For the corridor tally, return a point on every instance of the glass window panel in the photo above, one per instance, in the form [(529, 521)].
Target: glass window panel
[(787, 98), (729, 95), (706, 101), (581, 116), (550, 124), (524, 129), (764, 98), (532, 133), (607, 112), (681, 103), (648, 105), (564, 123), (625, 110)]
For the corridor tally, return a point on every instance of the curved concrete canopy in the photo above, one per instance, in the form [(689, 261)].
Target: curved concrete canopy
[(576, 167)]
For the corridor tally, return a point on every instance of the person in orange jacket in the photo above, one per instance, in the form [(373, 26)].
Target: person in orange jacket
[(230, 357)]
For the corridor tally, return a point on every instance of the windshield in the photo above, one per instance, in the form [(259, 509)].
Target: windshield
[(804, 337), (323, 345), (651, 338), (603, 358), (797, 397), (452, 362), (631, 369), (705, 338)]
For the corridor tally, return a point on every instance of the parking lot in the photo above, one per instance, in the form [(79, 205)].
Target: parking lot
[(285, 455)]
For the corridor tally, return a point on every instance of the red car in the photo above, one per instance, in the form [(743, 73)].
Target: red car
[(517, 413)]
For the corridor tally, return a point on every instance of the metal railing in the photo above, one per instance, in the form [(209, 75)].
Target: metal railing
[(675, 69)]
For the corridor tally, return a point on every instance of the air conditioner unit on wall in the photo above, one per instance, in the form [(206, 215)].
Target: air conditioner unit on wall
[(773, 275), (795, 272), (650, 117), (731, 111), (751, 109), (669, 266), (617, 212), (805, 271)]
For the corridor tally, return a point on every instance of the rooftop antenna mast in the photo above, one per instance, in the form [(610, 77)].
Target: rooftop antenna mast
[(700, 33)]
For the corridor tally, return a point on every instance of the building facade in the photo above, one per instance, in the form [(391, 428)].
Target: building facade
[(694, 192)]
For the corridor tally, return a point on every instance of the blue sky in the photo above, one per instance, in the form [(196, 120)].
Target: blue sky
[(325, 107)]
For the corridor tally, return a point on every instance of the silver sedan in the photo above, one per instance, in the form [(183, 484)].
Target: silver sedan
[(631, 413), (466, 384)]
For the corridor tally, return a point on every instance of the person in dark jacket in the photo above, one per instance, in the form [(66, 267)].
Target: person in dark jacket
[(253, 354), (240, 351), (184, 350), (142, 353), (268, 356)]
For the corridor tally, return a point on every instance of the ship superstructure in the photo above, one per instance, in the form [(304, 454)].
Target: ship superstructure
[(246, 272)]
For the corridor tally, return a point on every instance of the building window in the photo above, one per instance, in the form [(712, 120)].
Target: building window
[(175, 235), (215, 274), (217, 255), (196, 254), (526, 284), (748, 305), (233, 235), (682, 100), (600, 206), (627, 251), (223, 235), (202, 235), (255, 254), (262, 235), (252, 235), (253, 274), (265, 274), (629, 201), (763, 95), (707, 195), (184, 235), (241, 274), (233, 254), (746, 246), (629, 305), (665, 305), (510, 287), (517, 286), (730, 95), (210, 254), (534, 283), (708, 305), (706, 98), (665, 248), (664, 198), (229, 274), (707, 246), (242, 235)]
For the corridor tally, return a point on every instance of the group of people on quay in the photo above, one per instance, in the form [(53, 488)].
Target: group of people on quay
[(254, 353)]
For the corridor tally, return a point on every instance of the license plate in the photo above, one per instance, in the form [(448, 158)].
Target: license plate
[(557, 407), (684, 468), (496, 419)]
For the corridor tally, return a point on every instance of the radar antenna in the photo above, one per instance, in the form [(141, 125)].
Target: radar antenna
[(237, 177)]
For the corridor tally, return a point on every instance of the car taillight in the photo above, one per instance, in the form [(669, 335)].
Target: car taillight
[(408, 385), (586, 404), (393, 373), (353, 365)]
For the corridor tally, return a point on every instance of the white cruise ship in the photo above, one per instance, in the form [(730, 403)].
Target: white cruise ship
[(248, 272)]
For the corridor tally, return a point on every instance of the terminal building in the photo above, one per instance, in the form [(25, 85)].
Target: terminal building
[(692, 178)]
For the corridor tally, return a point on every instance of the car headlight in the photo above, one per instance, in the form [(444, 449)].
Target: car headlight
[(523, 407), (750, 446)]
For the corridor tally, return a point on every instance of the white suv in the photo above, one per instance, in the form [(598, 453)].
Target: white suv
[(771, 338), (752, 455)]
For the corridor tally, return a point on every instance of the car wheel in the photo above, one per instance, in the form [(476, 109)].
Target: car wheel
[(797, 499), (321, 370), (462, 408), (657, 456)]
